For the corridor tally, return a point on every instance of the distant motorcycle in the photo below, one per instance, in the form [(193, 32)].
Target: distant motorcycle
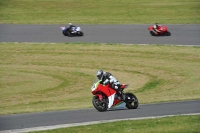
[(105, 97), (163, 31), (74, 31)]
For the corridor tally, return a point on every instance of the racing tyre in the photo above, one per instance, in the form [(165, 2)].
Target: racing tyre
[(168, 33), (64, 33), (131, 101), (100, 105), (80, 33), (152, 33), (68, 34)]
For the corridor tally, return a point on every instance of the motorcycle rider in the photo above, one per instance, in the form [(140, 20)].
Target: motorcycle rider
[(71, 27), (156, 28), (108, 78)]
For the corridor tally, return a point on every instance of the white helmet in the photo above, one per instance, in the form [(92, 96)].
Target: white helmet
[(70, 23), (99, 74), (156, 25)]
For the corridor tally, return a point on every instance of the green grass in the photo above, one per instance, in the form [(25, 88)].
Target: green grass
[(43, 77), (100, 11), (177, 124), (46, 77)]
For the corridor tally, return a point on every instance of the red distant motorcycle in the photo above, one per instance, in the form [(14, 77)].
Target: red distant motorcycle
[(105, 97), (163, 31)]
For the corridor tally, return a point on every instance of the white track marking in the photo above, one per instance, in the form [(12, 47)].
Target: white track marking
[(86, 123)]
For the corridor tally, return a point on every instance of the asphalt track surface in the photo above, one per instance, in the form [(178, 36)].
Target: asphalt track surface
[(125, 34), (128, 34), (30, 120)]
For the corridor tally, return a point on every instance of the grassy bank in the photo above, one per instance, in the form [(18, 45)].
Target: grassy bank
[(42, 77), (100, 12), (177, 124)]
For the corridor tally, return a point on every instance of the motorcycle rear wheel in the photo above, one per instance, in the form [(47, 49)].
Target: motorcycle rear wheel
[(100, 105), (132, 102)]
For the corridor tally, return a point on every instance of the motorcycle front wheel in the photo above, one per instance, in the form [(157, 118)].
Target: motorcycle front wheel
[(131, 101), (80, 33), (168, 33), (100, 105)]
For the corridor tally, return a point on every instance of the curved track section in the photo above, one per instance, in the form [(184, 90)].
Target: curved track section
[(128, 34), (49, 119)]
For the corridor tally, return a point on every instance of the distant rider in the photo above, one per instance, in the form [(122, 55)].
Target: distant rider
[(156, 28), (71, 28), (108, 78)]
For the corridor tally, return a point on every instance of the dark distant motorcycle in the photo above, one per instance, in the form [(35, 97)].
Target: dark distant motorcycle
[(74, 31), (163, 31)]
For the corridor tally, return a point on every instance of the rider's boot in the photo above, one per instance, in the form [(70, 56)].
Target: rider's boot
[(121, 94)]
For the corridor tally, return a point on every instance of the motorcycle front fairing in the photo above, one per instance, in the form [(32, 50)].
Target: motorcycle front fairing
[(162, 29), (78, 28), (110, 93)]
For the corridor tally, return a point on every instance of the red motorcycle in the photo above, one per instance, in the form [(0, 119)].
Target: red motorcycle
[(163, 31), (106, 98)]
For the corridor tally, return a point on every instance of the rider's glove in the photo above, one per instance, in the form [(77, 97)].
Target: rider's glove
[(116, 87), (106, 82)]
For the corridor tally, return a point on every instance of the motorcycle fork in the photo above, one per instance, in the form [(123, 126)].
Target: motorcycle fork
[(100, 97)]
